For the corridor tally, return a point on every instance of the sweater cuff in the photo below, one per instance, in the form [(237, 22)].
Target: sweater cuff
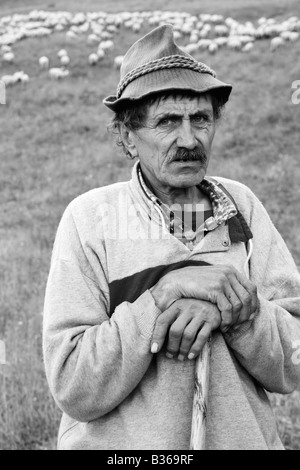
[(146, 313)]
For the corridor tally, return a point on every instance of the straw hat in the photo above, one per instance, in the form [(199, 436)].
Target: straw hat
[(155, 63)]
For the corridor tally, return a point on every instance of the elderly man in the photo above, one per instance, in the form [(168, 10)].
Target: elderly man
[(144, 272)]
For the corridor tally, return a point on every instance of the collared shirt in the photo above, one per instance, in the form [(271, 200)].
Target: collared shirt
[(222, 210)]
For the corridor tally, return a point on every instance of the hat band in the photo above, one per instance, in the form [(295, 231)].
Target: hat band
[(173, 61)]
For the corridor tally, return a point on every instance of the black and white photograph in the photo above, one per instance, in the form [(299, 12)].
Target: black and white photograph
[(149, 227)]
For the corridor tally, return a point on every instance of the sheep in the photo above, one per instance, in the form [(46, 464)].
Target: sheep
[(118, 61), (212, 48), (44, 62), (93, 39), (106, 35), (5, 48), (65, 60), (136, 27), (193, 38), (61, 53), (289, 36), (261, 21), (234, 42), (106, 45), (71, 35), (221, 30), (177, 34), (57, 73), (59, 27), (17, 77), (93, 58), (8, 57), (247, 47), (8, 80), (100, 53), (24, 78), (186, 28), (294, 36), (204, 43), (191, 48), (221, 41), (276, 43)]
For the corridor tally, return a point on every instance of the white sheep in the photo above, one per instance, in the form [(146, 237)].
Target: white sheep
[(17, 77), (194, 38), (8, 80), (136, 27), (247, 47), (221, 41), (289, 36), (57, 73), (212, 48), (262, 20), (221, 30), (5, 48), (106, 45), (93, 39), (59, 27), (276, 43), (93, 58), (177, 34), (61, 53), (8, 57), (70, 35), (204, 43), (234, 42), (44, 62), (100, 53), (24, 78), (191, 48), (65, 60), (118, 61)]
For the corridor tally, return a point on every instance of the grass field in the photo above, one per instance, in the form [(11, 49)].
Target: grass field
[(54, 145)]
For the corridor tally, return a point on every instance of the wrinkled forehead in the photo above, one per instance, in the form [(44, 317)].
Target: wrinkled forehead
[(180, 104)]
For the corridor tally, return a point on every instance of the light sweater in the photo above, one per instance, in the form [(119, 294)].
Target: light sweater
[(99, 316)]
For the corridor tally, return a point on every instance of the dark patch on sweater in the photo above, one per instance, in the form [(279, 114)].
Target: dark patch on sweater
[(130, 288)]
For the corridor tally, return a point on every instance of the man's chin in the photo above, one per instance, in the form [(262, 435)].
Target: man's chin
[(187, 176)]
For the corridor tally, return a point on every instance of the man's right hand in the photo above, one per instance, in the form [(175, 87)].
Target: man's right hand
[(233, 294)]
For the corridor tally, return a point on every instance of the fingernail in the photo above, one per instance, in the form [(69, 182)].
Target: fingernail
[(191, 356), (169, 355), (154, 348), (180, 357)]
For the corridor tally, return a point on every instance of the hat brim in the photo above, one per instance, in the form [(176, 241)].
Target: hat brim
[(179, 79)]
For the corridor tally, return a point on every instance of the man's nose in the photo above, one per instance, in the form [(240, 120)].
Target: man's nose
[(186, 137)]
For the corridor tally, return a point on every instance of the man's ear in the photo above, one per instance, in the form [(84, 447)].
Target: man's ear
[(128, 140)]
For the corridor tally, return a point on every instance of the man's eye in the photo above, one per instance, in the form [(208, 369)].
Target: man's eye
[(200, 119), (167, 122)]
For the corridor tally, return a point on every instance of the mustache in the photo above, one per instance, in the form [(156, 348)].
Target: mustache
[(196, 154)]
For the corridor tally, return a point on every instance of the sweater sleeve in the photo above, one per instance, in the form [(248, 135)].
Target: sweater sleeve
[(267, 346), (92, 361)]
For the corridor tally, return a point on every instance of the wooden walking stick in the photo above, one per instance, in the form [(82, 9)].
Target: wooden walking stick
[(198, 431)]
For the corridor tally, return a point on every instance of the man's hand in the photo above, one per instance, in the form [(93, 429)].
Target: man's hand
[(186, 325), (233, 294)]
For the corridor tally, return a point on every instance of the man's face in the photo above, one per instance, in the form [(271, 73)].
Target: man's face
[(175, 143)]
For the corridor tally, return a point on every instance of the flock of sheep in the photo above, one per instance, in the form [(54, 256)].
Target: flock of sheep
[(196, 32)]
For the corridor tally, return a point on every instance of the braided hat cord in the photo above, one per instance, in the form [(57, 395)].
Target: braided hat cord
[(173, 61)]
